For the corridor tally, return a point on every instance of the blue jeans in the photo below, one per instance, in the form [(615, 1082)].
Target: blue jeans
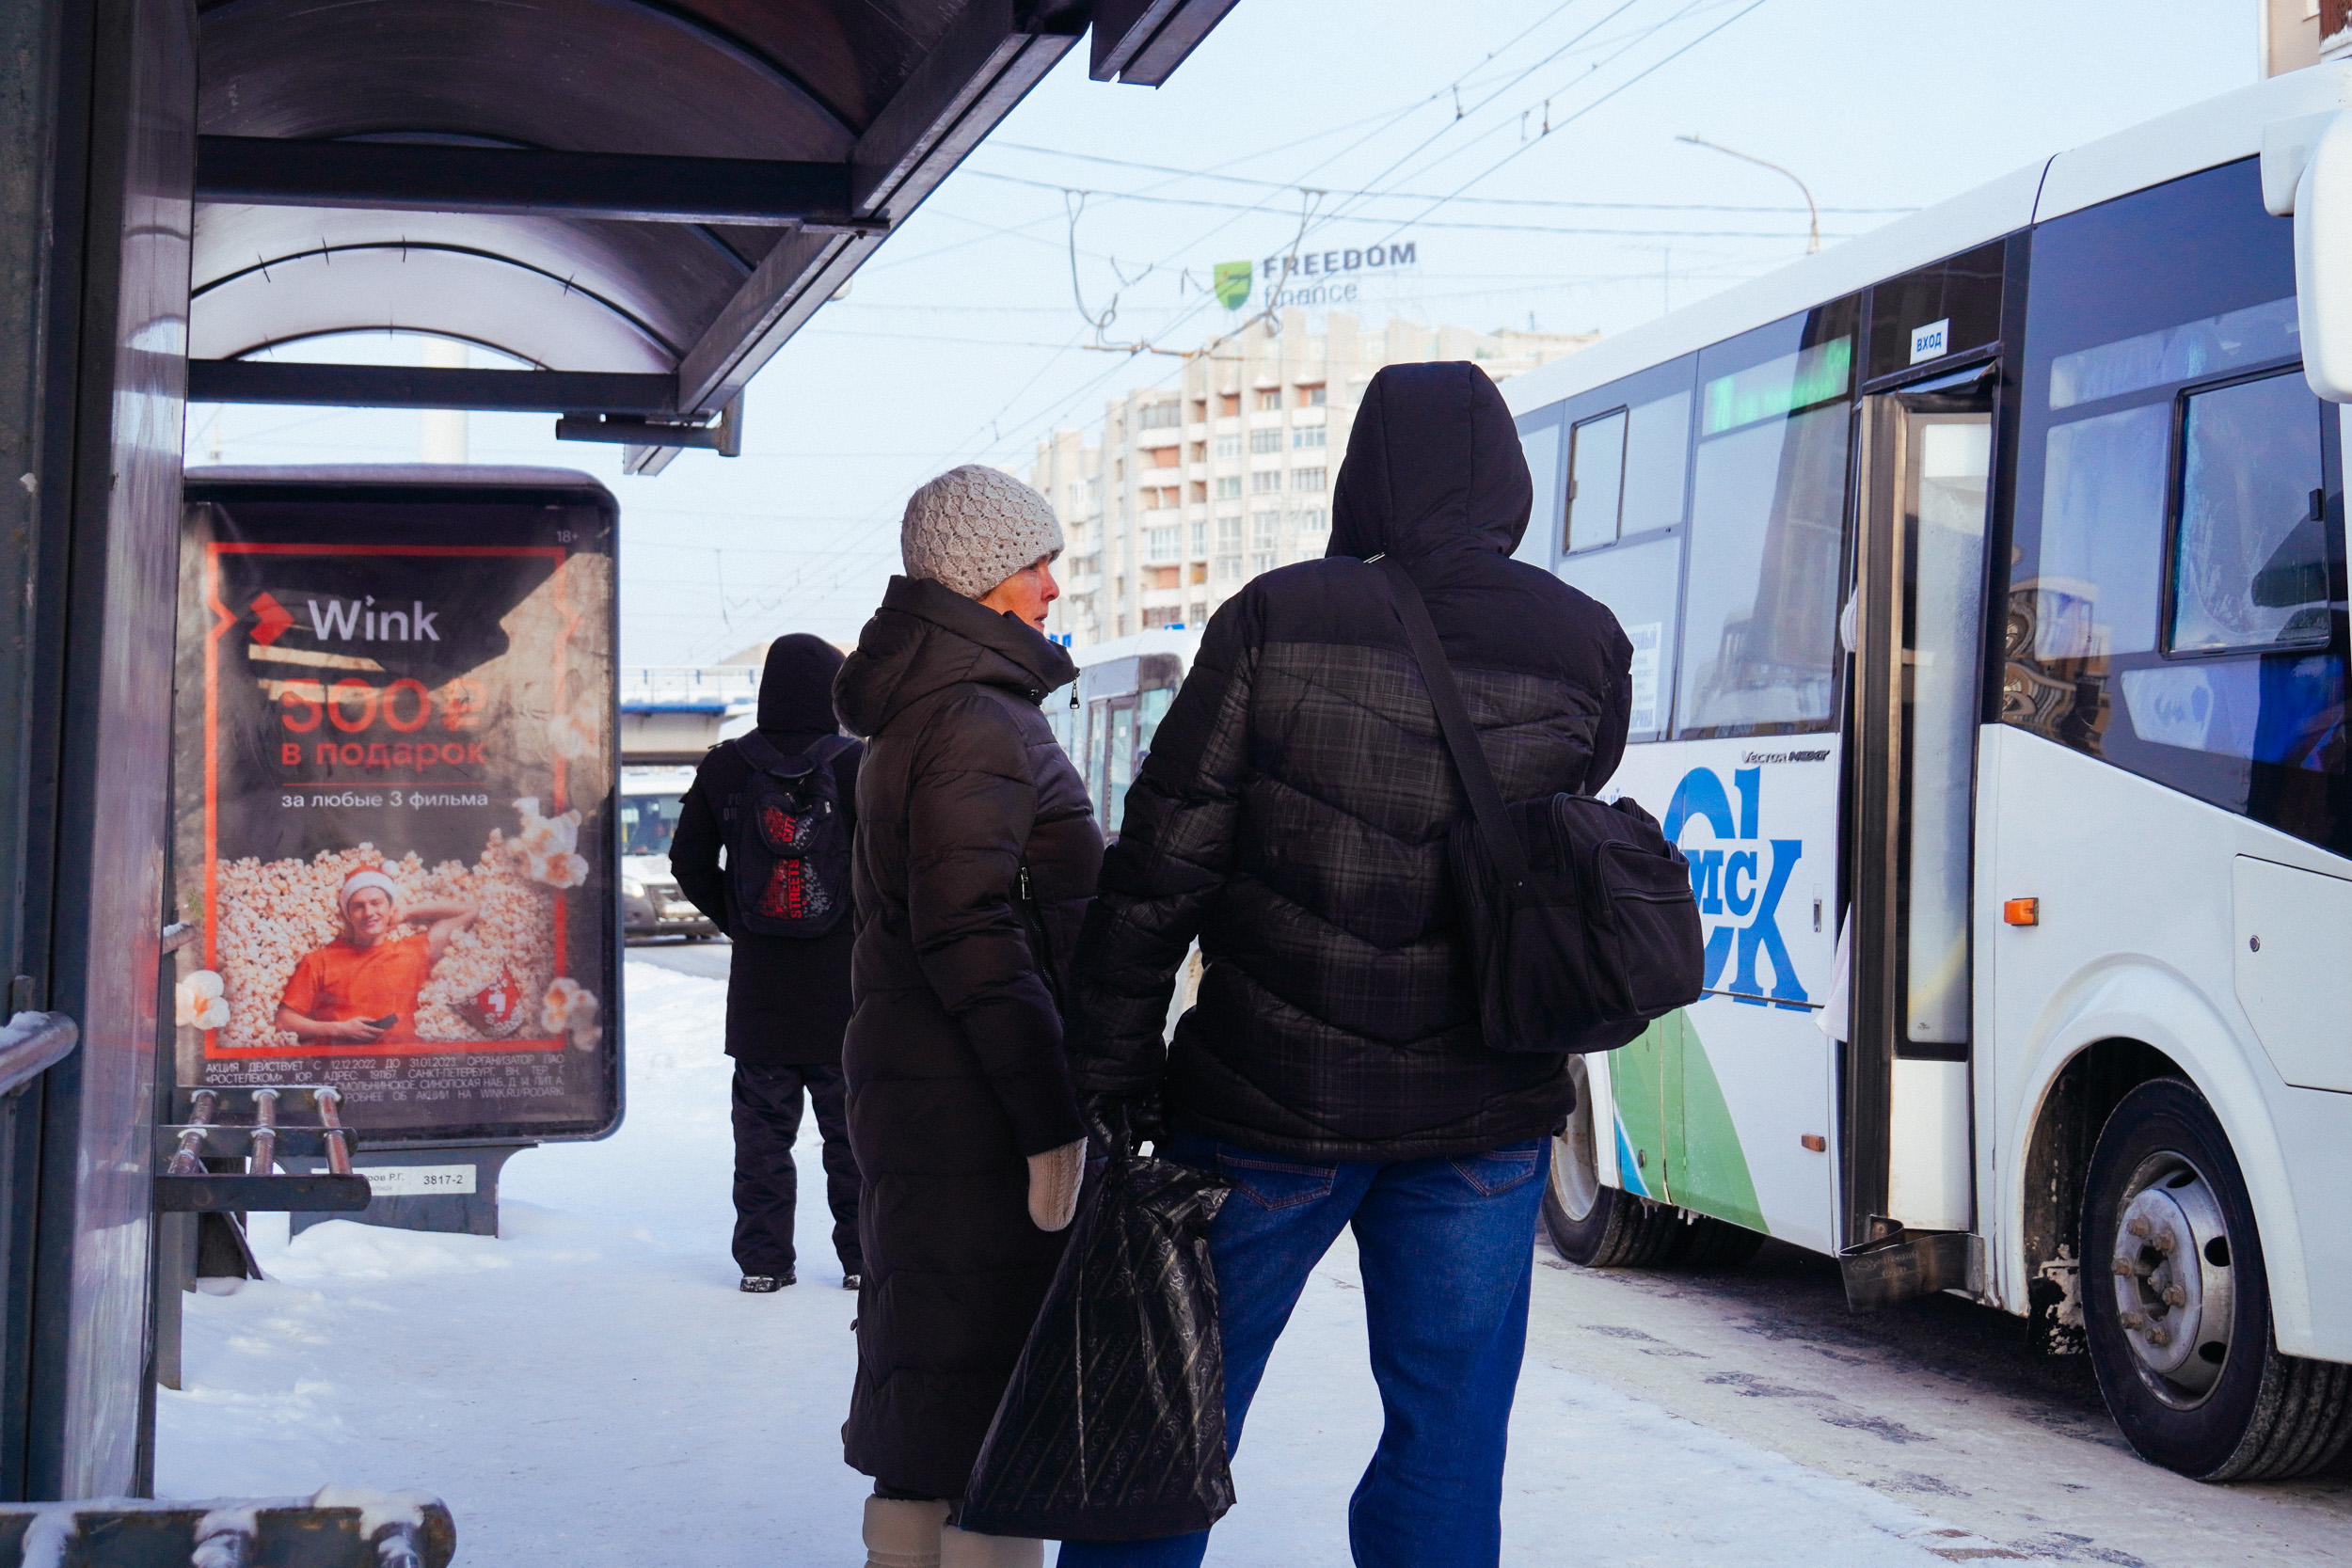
[(1447, 1246)]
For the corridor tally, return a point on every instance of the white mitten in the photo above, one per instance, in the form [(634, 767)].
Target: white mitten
[(1054, 1176)]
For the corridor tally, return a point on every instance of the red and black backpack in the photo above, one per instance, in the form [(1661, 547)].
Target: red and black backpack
[(788, 840)]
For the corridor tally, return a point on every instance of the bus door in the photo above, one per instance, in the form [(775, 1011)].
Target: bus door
[(1918, 633)]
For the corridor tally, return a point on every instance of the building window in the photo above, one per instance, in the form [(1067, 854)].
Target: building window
[(1200, 410), (1199, 571), (1229, 487), (1264, 527), (1094, 493), (1265, 482), (1229, 445), (1198, 613), (1200, 538), (1229, 566), (1122, 624), (1310, 397), (1229, 533), (1261, 441), (1161, 543), (1262, 561), (1309, 436), (1306, 479), (1200, 452), (1310, 521), (1165, 577), (1165, 457), (1160, 615), (1199, 492), (1269, 399), (1228, 405), (1158, 416)]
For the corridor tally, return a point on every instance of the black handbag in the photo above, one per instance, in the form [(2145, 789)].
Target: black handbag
[(1112, 1426), (1579, 920)]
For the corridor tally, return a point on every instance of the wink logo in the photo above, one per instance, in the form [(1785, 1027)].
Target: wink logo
[(1734, 886), (357, 621)]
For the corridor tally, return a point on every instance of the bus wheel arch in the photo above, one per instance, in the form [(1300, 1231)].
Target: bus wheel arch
[(2075, 1107)]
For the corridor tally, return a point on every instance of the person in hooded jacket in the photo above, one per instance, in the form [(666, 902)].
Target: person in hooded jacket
[(1293, 816), (787, 997), (977, 856)]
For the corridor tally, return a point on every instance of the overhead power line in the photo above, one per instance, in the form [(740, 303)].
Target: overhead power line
[(1483, 228), (1424, 196)]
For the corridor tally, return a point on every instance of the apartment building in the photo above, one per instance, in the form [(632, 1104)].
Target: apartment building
[(1184, 493)]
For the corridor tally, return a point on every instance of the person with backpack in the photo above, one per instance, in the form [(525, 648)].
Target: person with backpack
[(1295, 816), (977, 855), (781, 801)]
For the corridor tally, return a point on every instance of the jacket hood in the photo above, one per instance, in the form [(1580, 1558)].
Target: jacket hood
[(926, 636), (1433, 465), (796, 688)]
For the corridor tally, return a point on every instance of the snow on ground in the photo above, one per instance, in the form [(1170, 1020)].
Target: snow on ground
[(590, 1388)]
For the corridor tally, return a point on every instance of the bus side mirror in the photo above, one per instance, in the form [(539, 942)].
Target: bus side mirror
[(2307, 170)]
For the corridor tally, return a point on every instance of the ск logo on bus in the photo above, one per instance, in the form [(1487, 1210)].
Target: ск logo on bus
[(1738, 883)]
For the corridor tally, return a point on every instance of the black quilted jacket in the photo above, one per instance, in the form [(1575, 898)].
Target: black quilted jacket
[(954, 1056), (1294, 810)]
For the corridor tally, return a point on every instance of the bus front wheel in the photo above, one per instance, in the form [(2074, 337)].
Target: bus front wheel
[(2177, 1305)]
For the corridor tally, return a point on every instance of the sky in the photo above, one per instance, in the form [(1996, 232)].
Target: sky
[(1529, 153)]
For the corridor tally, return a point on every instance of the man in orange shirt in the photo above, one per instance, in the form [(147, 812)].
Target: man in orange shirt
[(362, 987)]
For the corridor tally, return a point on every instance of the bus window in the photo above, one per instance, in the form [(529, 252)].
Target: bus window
[(1154, 706), (1539, 438), (2250, 563), (1657, 462), (647, 822), (1098, 761), (1122, 768), (2097, 581), (1638, 583), (2177, 577), (1595, 480), (1767, 525)]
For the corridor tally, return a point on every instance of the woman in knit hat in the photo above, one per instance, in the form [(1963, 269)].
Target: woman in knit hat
[(977, 855)]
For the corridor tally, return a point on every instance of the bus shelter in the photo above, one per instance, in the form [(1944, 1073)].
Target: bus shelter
[(639, 200)]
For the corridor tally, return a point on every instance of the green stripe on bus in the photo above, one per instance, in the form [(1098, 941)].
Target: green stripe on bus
[(1674, 1115)]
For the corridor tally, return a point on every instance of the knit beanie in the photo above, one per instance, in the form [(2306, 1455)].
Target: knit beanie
[(972, 528)]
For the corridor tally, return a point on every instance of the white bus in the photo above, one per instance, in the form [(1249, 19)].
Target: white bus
[(1106, 720), (1986, 583)]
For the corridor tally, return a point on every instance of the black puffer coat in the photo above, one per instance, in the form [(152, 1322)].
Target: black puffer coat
[(787, 997), (954, 1060), (1294, 812)]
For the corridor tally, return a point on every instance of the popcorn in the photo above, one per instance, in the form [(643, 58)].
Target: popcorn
[(547, 845), (569, 1009), (198, 1001), (271, 913)]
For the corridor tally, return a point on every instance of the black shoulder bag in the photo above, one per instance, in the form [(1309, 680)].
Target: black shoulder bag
[(1578, 916)]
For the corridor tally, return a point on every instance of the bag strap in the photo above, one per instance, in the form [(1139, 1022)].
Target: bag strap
[(1453, 721), (762, 753)]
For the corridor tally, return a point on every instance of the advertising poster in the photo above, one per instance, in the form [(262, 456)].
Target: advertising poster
[(394, 765)]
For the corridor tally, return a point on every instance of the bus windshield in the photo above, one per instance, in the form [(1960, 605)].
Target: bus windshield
[(646, 823)]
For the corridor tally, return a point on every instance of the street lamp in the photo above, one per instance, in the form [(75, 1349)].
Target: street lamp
[(1813, 244)]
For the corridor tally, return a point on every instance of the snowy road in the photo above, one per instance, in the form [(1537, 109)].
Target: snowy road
[(590, 1390)]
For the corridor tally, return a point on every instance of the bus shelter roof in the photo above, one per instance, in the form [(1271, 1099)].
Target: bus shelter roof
[(641, 198)]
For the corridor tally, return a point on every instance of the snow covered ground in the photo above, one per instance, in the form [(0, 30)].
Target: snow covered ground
[(591, 1390)]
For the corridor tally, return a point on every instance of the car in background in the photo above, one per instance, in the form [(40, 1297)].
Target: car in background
[(652, 903)]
